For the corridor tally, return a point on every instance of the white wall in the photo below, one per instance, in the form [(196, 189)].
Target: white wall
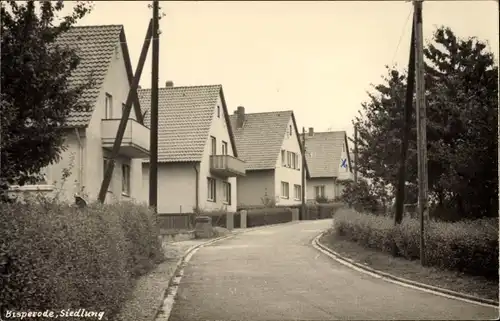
[(255, 186), (220, 131), (176, 187), (344, 172), (290, 175), (116, 83), (330, 187)]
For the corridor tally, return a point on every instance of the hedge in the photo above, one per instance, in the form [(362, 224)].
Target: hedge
[(56, 256), (467, 246)]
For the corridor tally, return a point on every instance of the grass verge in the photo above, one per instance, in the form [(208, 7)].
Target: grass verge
[(411, 270)]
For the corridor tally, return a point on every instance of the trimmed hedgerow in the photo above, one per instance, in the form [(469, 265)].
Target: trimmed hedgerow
[(467, 246), (55, 256)]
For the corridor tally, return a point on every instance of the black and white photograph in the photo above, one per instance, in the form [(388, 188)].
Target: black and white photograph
[(249, 160)]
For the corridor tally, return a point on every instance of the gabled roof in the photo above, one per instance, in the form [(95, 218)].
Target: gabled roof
[(261, 137), (96, 46), (184, 118), (323, 151)]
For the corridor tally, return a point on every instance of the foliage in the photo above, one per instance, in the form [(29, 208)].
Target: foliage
[(321, 199), (467, 246), (267, 216), (36, 95), (462, 111), (363, 197), (322, 211), (55, 255)]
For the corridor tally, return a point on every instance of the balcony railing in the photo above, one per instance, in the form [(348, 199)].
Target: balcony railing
[(135, 141), (227, 166)]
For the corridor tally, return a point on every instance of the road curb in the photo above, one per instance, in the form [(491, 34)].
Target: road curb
[(171, 290), (398, 280)]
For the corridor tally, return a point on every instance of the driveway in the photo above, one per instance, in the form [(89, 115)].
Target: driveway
[(275, 274)]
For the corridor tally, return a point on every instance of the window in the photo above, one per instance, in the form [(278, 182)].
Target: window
[(224, 148), (285, 190), (297, 161), (319, 191), (108, 111), (211, 189), (294, 160), (283, 158), (290, 130), (289, 159), (214, 145), (297, 192), (125, 179), (227, 192), (218, 111)]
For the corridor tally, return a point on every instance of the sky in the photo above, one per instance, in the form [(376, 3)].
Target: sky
[(316, 58)]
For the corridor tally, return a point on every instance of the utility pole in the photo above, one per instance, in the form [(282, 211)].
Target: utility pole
[(153, 150), (421, 126), (356, 153), (407, 113), (303, 210)]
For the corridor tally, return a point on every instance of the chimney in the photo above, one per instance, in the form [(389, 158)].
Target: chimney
[(240, 112), (311, 131), (169, 83)]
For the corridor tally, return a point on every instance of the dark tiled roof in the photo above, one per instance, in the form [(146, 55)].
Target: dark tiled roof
[(323, 151), (184, 119), (95, 45), (260, 139)]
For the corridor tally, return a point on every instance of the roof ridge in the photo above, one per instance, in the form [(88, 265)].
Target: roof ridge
[(96, 26), (180, 87), (271, 112), (331, 132)]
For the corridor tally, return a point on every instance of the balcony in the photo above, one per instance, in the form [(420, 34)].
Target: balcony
[(226, 166), (135, 141)]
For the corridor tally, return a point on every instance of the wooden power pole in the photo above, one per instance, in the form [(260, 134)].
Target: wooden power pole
[(153, 150), (421, 126), (407, 115), (303, 210)]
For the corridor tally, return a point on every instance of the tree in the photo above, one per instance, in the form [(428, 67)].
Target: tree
[(364, 197), (37, 94), (462, 111)]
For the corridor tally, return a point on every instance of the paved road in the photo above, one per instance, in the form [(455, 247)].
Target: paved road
[(275, 274)]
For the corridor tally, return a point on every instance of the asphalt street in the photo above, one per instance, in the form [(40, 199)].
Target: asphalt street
[(275, 274)]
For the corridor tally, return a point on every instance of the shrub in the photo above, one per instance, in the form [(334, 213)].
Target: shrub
[(57, 256), (267, 216), (466, 246), (321, 211)]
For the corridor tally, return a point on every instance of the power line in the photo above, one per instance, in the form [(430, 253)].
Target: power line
[(401, 36)]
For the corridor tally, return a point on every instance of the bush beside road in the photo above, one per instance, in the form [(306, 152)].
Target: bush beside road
[(461, 256)]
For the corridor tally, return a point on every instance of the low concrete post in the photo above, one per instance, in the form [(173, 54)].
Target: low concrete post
[(295, 214), (230, 221), (203, 227), (243, 219)]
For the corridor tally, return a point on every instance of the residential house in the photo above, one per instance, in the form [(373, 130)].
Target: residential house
[(269, 144), (197, 158), (90, 134), (327, 154)]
